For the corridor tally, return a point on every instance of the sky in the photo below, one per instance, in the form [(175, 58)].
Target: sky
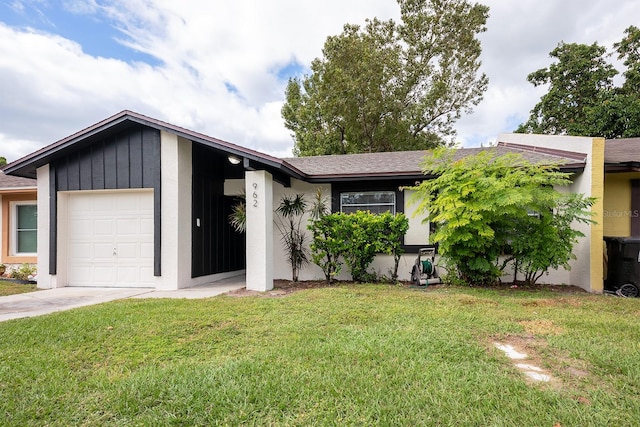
[(220, 67)]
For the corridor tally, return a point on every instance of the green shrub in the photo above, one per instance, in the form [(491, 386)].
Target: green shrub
[(23, 272), (327, 244), (486, 204), (356, 238)]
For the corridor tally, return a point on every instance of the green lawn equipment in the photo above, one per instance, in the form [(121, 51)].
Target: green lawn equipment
[(424, 271)]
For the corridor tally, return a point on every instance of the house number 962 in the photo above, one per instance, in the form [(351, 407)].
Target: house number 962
[(255, 195)]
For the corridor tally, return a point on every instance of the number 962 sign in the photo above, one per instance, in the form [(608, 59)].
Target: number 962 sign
[(254, 195)]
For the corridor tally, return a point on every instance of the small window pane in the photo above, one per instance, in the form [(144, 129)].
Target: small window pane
[(27, 217), (374, 201), (27, 242)]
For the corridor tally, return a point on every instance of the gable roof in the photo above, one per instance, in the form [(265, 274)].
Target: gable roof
[(26, 166), (347, 167)]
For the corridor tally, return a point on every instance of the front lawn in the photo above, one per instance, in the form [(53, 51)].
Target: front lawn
[(8, 287), (347, 355)]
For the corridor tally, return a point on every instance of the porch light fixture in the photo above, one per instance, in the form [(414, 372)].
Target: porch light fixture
[(233, 159)]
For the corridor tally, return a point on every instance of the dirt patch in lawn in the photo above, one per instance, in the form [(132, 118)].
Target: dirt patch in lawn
[(521, 286), (284, 287), (541, 327), (562, 372)]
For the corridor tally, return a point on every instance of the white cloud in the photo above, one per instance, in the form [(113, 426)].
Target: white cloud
[(51, 88)]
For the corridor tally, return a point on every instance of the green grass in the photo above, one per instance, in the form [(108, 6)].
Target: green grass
[(12, 288), (349, 355)]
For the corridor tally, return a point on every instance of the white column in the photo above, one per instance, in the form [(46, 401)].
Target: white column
[(259, 193), (45, 280), (176, 212)]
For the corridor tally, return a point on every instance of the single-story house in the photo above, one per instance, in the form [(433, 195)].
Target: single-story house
[(18, 198), (138, 202)]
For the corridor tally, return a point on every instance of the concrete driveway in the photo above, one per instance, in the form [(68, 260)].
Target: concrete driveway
[(51, 300)]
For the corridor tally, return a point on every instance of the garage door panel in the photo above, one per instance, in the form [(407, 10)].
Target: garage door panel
[(103, 227), (111, 239), (83, 226), (103, 252), (128, 251), (146, 251), (128, 226), (82, 251), (128, 275), (147, 223)]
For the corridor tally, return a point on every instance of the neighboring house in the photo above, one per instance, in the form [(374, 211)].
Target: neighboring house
[(622, 187), (19, 221), (134, 201)]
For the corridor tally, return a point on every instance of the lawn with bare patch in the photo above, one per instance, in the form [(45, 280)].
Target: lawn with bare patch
[(342, 355)]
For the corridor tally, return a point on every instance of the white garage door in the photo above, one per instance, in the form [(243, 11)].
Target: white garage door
[(110, 239)]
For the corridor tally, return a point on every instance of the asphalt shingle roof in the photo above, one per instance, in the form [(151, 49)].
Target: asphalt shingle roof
[(13, 182), (622, 150), (407, 163)]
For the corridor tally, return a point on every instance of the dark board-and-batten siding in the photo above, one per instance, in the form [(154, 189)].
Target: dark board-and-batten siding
[(124, 161), (215, 246)]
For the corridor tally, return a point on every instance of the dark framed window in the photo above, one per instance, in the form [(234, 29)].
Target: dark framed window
[(376, 196), (373, 201)]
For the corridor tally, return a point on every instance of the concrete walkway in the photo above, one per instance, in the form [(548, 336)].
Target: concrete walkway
[(52, 300)]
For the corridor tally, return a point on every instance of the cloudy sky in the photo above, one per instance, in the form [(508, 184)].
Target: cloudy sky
[(220, 67)]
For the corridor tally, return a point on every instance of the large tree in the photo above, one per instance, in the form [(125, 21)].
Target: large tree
[(390, 86), (582, 98)]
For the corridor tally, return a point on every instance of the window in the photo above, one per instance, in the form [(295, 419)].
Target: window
[(26, 229), (374, 201)]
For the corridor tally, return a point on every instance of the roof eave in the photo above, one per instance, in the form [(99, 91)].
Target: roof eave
[(26, 166), (620, 167), (328, 178)]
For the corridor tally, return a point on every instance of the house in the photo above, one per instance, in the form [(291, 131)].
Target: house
[(622, 187), (134, 201), (18, 198)]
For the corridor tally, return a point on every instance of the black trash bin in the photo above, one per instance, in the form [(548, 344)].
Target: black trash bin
[(622, 266)]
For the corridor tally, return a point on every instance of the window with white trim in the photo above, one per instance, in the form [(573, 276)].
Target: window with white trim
[(374, 201), (25, 229)]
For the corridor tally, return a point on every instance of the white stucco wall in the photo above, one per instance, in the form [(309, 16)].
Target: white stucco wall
[(176, 182), (282, 269), (418, 234), (45, 280)]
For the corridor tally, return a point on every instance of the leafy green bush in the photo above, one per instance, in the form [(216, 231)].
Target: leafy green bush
[(23, 272), (486, 204), (356, 238), (327, 244), (546, 240), (393, 231), (361, 234)]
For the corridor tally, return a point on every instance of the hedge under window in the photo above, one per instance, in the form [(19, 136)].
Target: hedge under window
[(374, 201)]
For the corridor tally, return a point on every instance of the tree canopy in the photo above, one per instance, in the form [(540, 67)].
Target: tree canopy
[(582, 98), (390, 86)]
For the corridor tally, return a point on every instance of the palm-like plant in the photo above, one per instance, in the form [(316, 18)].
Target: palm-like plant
[(238, 215), (319, 205), (288, 222)]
